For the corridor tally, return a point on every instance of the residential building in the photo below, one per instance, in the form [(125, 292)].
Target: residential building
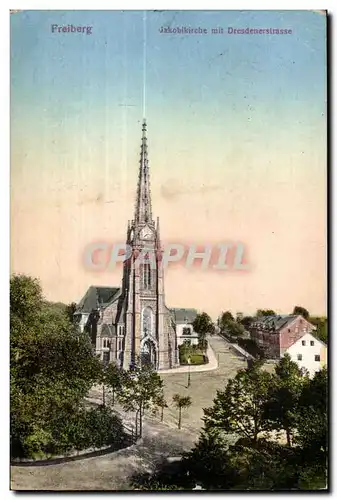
[(292, 334), (183, 320)]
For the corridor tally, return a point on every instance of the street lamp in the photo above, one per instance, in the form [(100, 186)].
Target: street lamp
[(189, 372), (105, 364)]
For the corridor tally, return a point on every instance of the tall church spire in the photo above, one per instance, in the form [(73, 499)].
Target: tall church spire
[(143, 201)]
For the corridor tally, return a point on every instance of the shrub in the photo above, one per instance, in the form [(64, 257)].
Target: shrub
[(251, 346), (93, 428)]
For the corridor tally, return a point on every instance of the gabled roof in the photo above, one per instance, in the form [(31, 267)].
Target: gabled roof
[(182, 316), (97, 296), (108, 331), (310, 334), (275, 322)]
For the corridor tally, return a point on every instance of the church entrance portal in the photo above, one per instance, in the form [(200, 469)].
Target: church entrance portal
[(148, 354)]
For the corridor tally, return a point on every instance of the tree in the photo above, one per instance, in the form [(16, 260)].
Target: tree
[(203, 324), (161, 402), (70, 311), (113, 377), (225, 318), (208, 462), (265, 312), (321, 324), (141, 389), (52, 367), (312, 424), (181, 402), (240, 407), (235, 329), (26, 298), (302, 311), (282, 408), (246, 321)]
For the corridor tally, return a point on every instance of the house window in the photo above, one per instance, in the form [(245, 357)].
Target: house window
[(186, 331), (303, 342), (317, 357), (146, 276), (104, 342), (312, 342), (296, 329), (106, 357), (120, 344), (299, 357)]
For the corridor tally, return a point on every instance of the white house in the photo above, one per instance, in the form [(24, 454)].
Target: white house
[(183, 319), (309, 353)]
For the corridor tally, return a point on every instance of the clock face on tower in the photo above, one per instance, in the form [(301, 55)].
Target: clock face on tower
[(146, 233)]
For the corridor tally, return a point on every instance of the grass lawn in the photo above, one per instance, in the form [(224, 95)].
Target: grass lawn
[(195, 359)]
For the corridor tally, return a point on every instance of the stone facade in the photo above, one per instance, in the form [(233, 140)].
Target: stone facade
[(133, 325)]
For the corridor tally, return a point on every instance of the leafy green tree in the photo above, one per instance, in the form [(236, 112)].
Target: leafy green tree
[(302, 311), (203, 324), (161, 402), (240, 407), (321, 324), (202, 343), (265, 312), (113, 377), (70, 311), (26, 299), (142, 389), (234, 329), (246, 322), (312, 423), (181, 402), (208, 462), (283, 405), (224, 319), (52, 367)]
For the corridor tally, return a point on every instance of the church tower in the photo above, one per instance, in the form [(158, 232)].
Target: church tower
[(150, 335)]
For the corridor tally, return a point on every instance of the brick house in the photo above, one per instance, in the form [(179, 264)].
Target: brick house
[(276, 334)]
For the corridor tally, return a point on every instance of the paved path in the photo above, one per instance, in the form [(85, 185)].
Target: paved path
[(113, 471)]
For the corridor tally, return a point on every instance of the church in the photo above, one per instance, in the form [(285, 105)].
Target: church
[(131, 324)]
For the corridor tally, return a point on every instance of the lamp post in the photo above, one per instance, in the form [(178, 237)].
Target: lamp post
[(189, 372), (105, 364)]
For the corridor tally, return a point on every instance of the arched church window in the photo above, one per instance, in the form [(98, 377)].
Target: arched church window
[(146, 276), (147, 322)]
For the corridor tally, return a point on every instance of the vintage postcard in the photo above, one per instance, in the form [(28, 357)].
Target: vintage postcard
[(168, 288)]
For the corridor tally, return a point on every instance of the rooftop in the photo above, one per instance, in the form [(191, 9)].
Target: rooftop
[(97, 296)]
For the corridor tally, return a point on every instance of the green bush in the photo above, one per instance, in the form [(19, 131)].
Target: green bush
[(251, 346), (93, 428)]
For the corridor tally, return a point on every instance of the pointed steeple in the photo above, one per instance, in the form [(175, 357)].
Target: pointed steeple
[(143, 211)]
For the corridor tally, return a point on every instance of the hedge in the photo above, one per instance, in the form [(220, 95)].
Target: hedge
[(86, 428)]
